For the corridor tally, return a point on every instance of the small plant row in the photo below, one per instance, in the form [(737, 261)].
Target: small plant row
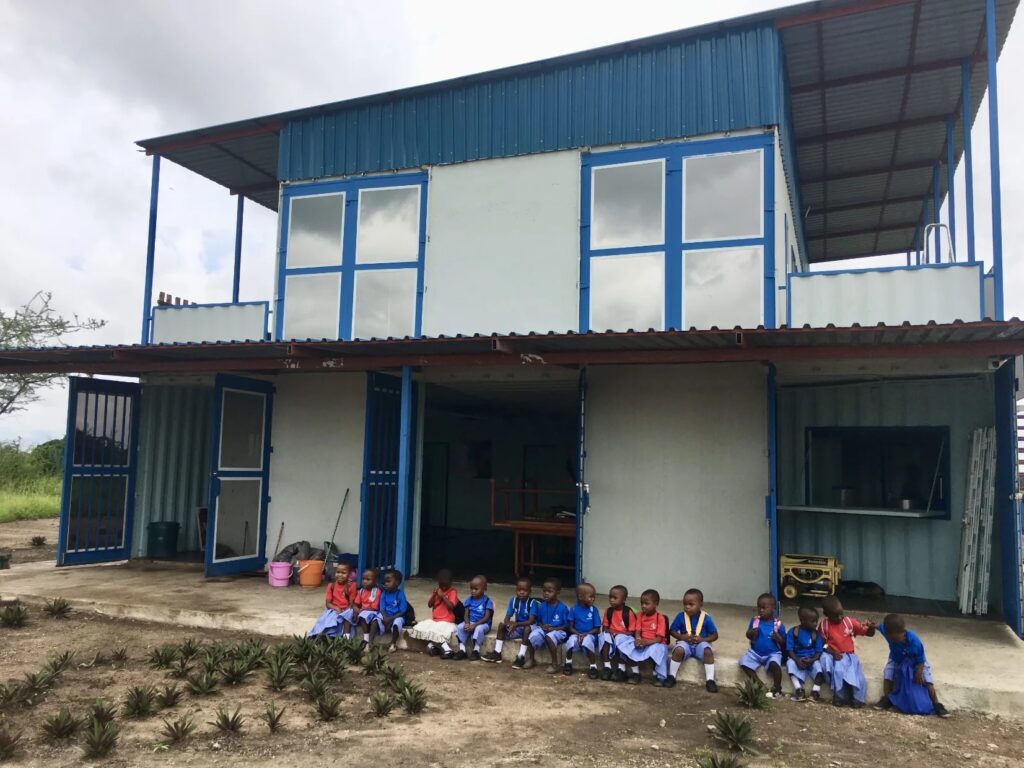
[(16, 615), (34, 685)]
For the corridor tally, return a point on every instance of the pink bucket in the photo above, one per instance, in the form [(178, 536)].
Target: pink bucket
[(279, 574)]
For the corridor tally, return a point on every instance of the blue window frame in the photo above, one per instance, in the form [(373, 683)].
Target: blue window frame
[(689, 256), (350, 263)]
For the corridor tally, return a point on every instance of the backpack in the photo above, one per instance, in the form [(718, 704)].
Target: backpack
[(459, 609), (623, 610)]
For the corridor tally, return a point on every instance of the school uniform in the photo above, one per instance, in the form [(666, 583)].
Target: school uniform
[(701, 625), (763, 651), (367, 604), (654, 630), (392, 604), (845, 671), (476, 609), (584, 621), (804, 644), (340, 598), (555, 616), (908, 696), (519, 609), (439, 627), (615, 624)]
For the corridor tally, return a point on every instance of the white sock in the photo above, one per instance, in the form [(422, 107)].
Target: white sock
[(673, 667), (593, 666), (607, 665), (498, 645), (462, 647), (816, 688), (635, 669), (366, 637), (709, 671), (522, 651), (445, 647), (797, 685)]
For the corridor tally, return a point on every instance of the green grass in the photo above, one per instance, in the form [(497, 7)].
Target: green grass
[(30, 499)]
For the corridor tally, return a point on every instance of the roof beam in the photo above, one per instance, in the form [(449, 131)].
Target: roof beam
[(882, 74), (876, 171), (838, 13), (255, 189), (867, 130), (865, 204), (214, 138), (867, 231)]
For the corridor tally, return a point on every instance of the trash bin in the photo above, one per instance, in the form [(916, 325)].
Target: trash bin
[(162, 540)]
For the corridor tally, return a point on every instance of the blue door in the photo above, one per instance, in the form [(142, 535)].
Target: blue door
[(98, 496), (1008, 513), (386, 509), (236, 530), (582, 488)]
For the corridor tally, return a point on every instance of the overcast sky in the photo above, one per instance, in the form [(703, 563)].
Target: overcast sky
[(81, 81)]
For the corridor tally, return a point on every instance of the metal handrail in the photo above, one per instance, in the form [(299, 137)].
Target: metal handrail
[(949, 242)]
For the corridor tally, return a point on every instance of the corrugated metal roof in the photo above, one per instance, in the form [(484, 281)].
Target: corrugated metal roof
[(979, 339), (851, 68)]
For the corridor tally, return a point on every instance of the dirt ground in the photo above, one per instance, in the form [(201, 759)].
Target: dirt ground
[(477, 715), (16, 537)]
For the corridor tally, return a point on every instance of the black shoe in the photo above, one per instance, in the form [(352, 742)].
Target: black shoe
[(493, 657), (658, 682), (606, 674), (447, 655), (592, 673), (883, 703), (839, 701), (799, 696), (670, 682), (474, 656), (857, 704), (619, 675), (567, 669), (634, 679), (815, 696), (941, 711), (433, 650), (711, 686), (518, 663), (776, 693), (459, 656)]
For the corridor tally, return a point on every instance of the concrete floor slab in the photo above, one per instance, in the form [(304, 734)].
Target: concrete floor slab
[(977, 664)]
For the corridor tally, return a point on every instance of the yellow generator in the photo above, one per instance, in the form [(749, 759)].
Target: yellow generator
[(808, 575)]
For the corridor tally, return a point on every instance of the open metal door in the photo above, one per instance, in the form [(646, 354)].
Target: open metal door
[(236, 531), (385, 525), (98, 497), (582, 488), (1008, 512)]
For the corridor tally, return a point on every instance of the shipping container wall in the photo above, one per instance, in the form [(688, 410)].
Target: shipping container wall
[(677, 89), (173, 462), (907, 557), (786, 246), (678, 473)]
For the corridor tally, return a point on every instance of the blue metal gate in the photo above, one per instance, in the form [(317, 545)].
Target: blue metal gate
[(385, 526), (582, 488), (98, 497), (1008, 495)]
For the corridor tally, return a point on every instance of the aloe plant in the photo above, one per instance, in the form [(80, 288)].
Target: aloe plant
[(62, 725), (735, 731), (169, 696), (58, 608), (228, 722), (9, 741), (327, 707), (381, 704), (176, 731), (140, 701), (413, 698), (14, 616), (272, 716), (100, 739), (752, 694)]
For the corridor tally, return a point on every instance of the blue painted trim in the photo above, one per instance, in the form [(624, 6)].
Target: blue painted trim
[(1007, 485), (147, 289), (917, 245), (674, 248), (950, 184), (880, 269), (965, 119), (582, 493), (936, 213), (995, 173), (347, 267), (789, 299), (237, 274), (257, 561), (925, 220), (65, 491), (403, 529), (771, 500), (364, 489), (981, 294)]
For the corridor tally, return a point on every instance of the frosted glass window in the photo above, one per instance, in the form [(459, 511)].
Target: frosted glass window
[(385, 303), (314, 230), (627, 292), (722, 288), (628, 205), (238, 517), (722, 197), (241, 430), (311, 306), (389, 225)]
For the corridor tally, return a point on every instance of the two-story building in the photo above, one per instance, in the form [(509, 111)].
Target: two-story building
[(578, 313)]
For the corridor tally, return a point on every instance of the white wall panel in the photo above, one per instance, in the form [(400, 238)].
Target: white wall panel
[(888, 296), (318, 453), (785, 235), (503, 248), (678, 474), (219, 322)]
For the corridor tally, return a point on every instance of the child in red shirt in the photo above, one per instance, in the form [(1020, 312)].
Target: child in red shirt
[(839, 661), (439, 628), (650, 640), (341, 595), (367, 603), (619, 620)]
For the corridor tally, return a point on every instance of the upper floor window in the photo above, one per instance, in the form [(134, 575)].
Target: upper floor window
[(675, 236), (351, 262)]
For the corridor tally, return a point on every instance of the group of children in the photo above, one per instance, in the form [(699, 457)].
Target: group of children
[(616, 642)]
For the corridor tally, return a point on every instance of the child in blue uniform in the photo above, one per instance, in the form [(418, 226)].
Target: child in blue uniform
[(909, 687), (551, 619), (765, 634), (479, 613), (804, 646), (393, 607), (518, 618), (694, 632), (584, 629)]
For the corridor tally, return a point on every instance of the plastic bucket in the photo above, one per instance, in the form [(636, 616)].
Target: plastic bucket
[(162, 541), (279, 574), (311, 573)]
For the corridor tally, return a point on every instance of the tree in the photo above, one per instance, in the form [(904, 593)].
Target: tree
[(36, 324)]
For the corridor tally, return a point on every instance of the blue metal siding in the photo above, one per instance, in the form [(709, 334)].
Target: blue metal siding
[(684, 88), (915, 558)]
